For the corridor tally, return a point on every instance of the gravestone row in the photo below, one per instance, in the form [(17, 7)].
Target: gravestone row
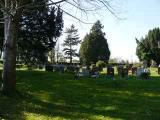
[(122, 71)]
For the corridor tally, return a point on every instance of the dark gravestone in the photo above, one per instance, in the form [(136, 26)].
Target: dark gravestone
[(94, 72), (158, 70), (125, 72), (49, 68), (76, 74), (110, 72), (61, 68), (120, 70), (134, 70)]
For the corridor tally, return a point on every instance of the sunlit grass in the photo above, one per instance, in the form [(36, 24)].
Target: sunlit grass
[(43, 96)]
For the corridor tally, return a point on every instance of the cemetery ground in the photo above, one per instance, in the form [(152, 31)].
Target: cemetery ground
[(43, 96)]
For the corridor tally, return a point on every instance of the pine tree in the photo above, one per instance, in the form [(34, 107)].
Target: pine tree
[(72, 39), (94, 46)]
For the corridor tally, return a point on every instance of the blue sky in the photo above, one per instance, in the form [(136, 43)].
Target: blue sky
[(140, 16)]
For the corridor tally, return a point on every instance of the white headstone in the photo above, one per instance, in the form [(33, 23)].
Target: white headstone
[(83, 72)]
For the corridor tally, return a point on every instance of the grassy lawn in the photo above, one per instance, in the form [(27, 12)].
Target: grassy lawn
[(44, 96)]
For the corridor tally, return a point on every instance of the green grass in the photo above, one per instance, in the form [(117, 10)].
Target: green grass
[(44, 96)]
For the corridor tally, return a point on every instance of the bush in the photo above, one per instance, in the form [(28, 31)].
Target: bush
[(49, 68), (100, 64), (40, 67), (19, 65), (31, 67), (137, 65), (145, 75)]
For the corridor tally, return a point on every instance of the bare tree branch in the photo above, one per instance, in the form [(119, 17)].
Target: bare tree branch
[(2, 4), (90, 6), (94, 5), (76, 5), (109, 8), (40, 4), (75, 17)]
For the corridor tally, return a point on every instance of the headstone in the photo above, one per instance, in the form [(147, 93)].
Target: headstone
[(120, 70), (110, 72), (125, 72), (58, 68), (143, 73), (83, 71), (134, 70), (76, 74), (61, 68), (159, 70), (140, 72), (95, 74)]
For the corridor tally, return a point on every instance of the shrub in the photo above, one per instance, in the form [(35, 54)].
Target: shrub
[(100, 64), (40, 67), (137, 65), (19, 65), (49, 68), (145, 75), (31, 66)]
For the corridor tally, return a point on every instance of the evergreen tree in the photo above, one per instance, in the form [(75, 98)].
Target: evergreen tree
[(94, 46), (148, 48), (39, 31), (72, 39)]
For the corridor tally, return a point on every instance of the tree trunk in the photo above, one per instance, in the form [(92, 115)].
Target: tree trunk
[(70, 59), (9, 59), (1, 52), (70, 54)]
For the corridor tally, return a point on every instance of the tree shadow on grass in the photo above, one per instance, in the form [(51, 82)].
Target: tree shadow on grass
[(53, 96)]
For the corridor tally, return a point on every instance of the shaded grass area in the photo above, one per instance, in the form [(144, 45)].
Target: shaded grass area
[(42, 95)]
